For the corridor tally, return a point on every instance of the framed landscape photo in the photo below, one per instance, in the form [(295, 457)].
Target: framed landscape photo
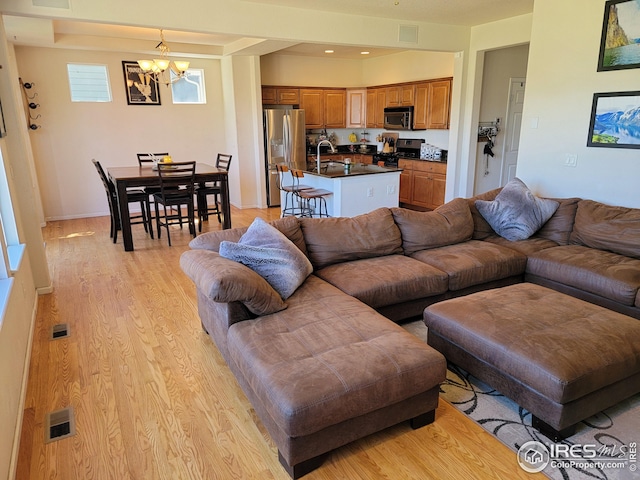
[(141, 89), (615, 120), (620, 42)]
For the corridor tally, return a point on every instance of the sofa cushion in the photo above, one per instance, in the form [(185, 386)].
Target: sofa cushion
[(361, 362), (224, 281), (481, 228), (558, 228), (268, 252), (526, 247), (607, 274), (289, 226), (334, 240), (607, 228), (516, 213), (448, 224), (474, 262), (387, 280)]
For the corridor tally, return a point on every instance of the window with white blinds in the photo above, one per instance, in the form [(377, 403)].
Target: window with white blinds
[(89, 83)]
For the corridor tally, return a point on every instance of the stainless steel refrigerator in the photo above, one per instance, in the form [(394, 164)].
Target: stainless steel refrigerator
[(285, 143)]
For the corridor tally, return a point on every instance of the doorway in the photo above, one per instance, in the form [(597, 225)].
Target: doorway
[(513, 126), (501, 101)]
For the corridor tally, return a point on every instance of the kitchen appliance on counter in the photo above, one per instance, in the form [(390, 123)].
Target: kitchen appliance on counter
[(404, 148), (398, 118), (284, 143)]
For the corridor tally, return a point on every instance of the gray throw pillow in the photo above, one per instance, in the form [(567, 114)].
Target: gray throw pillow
[(269, 253), (516, 213)]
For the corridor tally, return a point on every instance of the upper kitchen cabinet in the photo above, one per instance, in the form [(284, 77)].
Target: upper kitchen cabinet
[(356, 108), (432, 105), (400, 95), (335, 108), (324, 108), (376, 102), (312, 101), (280, 96)]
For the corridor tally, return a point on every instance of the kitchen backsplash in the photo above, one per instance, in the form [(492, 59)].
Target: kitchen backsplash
[(438, 138)]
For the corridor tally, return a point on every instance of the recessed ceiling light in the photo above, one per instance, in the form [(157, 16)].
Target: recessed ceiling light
[(328, 51), (364, 53)]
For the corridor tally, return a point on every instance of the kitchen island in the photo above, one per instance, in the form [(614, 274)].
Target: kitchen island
[(360, 189)]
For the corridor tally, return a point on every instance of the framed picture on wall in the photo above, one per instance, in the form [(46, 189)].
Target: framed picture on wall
[(141, 89), (620, 42), (615, 120)]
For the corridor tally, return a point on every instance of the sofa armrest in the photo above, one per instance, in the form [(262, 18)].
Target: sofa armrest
[(223, 280), (211, 240)]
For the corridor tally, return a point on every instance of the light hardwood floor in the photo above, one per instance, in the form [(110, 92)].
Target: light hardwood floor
[(153, 398)]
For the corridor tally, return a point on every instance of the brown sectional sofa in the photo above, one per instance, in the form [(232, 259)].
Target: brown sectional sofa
[(391, 263)]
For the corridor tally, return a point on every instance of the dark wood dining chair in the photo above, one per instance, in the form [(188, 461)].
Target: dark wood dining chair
[(134, 196), (177, 188), (203, 191)]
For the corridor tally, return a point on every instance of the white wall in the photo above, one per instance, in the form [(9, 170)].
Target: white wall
[(561, 81), (73, 133), (294, 70), (16, 330)]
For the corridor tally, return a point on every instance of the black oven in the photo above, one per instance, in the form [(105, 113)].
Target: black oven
[(398, 118)]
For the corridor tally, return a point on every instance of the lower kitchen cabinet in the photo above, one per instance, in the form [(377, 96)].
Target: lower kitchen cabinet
[(422, 183)]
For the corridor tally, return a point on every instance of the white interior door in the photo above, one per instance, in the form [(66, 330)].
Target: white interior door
[(512, 130)]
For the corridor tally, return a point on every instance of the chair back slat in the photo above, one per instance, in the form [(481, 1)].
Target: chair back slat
[(150, 157), (177, 178), (109, 187), (223, 161)]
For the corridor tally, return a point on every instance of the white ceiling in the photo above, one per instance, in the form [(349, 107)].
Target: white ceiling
[(450, 12), (74, 34)]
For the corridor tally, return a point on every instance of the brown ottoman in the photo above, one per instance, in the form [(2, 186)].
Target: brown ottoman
[(559, 357)]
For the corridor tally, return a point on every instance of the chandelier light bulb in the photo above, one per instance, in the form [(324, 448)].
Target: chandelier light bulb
[(156, 68)]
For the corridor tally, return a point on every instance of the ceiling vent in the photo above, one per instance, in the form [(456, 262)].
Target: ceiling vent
[(408, 33), (51, 3)]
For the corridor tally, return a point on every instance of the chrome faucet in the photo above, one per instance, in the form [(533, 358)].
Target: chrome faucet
[(333, 150)]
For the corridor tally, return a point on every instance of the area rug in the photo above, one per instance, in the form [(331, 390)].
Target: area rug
[(603, 447)]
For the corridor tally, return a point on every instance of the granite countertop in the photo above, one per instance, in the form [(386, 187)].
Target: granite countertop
[(336, 170), (342, 149)]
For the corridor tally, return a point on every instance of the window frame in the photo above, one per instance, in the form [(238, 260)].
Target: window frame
[(202, 89), (106, 81)]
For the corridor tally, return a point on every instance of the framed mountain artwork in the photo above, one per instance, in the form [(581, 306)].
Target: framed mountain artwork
[(620, 42), (615, 120)]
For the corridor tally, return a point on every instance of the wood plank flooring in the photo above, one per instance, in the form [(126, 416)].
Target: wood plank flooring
[(153, 398)]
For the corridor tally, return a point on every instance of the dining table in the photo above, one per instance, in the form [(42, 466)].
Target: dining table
[(146, 176)]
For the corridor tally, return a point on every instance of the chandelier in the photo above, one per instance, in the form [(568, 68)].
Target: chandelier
[(157, 68)]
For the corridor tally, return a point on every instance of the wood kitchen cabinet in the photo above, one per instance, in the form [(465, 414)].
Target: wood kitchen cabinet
[(432, 105), (356, 108), (376, 102), (312, 101), (280, 96), (324, 108), (422, 183), (400, 95), (335, 108)]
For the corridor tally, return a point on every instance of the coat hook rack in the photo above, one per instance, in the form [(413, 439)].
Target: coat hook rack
[(30, 104)]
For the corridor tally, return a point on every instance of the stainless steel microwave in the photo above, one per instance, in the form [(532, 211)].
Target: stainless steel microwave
[(398, 118)]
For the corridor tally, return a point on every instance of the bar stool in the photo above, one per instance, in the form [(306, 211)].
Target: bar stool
[(290, 192), (313, 200)]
